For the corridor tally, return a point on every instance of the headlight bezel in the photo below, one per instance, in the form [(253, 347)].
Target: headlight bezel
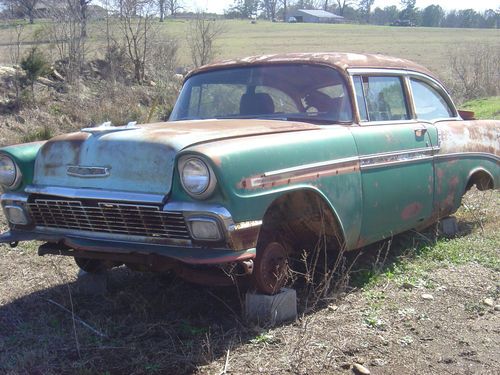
[(17, 173), (212, 180)]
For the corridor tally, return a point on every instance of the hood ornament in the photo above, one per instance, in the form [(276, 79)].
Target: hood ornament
[(107, 127)]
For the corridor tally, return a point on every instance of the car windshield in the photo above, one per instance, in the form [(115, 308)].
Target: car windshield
[(300, 92)]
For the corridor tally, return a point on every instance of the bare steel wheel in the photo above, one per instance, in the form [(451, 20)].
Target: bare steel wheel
[(271, 270)]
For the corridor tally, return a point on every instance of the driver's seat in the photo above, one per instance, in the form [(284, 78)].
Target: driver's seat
[(256, 104)]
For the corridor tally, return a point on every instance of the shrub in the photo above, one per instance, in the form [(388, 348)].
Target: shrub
[(34, 66), (475, 71)]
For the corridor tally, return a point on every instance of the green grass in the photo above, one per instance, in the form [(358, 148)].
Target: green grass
[(485, 108), (413, 258)]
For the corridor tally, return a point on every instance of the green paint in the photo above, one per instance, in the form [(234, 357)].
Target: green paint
[(24, 155)]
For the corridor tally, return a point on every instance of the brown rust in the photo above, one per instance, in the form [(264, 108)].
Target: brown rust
[(245, 238), (469, 136), (340, 61)]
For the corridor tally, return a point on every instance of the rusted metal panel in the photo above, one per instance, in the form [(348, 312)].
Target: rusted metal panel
[(341, 61), (139, 159), (464, 147)]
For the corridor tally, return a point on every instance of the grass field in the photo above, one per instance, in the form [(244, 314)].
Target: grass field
[(157, 324), (428, 46)]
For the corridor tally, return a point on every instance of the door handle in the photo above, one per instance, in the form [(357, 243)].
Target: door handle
[(420, 132)]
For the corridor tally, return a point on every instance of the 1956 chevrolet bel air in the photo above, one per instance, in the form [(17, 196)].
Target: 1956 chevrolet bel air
[(261, 157)]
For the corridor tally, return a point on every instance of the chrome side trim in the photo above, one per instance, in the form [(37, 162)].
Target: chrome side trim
[(310, 167), (397, 157), (469, 154), (399, 152), (395, 162), (97, 194)]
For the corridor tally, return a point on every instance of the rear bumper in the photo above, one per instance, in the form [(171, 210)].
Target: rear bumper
[(189, 255)]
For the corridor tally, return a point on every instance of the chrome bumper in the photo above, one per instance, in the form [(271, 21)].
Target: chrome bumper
[(239, 240)]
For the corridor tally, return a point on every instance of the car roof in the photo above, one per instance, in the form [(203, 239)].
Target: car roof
[(340, 60)]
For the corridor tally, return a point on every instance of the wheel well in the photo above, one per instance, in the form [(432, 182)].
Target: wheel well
[(481, 178), (302, 217)]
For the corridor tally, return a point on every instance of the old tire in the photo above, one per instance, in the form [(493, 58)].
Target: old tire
[(271, 268), (91, 265)]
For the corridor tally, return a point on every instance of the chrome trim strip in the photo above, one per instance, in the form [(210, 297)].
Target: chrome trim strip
[(399, 152), (395, 162), (468, 154), (312, 166), (84, 193)]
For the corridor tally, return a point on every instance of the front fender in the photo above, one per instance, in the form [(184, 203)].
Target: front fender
[(253, 172), (24, 155)]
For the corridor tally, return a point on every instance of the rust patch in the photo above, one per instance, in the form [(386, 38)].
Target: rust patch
[(412, 210), (338, 60), (245, 238)]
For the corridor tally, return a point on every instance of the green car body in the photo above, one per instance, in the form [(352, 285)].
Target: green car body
[(395, 155)]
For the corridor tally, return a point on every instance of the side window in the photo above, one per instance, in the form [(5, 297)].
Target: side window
[(381, 98), (360, 98), (429, 103), (385, 99)]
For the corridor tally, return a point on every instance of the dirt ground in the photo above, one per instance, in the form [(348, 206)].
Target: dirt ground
[(429, 310)]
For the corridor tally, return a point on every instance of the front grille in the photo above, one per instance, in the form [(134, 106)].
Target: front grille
[(108, 217)]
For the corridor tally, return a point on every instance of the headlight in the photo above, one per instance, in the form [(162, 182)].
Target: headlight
[(197, 177), (9, 172)]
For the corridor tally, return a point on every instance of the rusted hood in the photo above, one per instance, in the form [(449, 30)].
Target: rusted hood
[(137, 159)]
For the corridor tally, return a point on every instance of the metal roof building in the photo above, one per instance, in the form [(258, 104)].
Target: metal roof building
[(316, 16)]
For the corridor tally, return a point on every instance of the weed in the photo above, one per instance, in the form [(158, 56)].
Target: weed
[(40, 134), (264, 338), (405, 341)]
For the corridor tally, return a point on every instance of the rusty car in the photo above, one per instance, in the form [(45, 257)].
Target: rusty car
[(260, 157)]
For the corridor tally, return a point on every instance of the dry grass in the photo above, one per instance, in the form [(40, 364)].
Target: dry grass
[(157, 324)]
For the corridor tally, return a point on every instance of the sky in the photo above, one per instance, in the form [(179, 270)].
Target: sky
[(218, 6)]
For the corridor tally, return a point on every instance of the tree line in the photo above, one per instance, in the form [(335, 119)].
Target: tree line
[(359, 11), (362, 11)]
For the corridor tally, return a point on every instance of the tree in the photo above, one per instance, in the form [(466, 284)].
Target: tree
[(468, 18), (161, 8), (244, 8), (269, 7), (67, 32), (285, 9), (342, 5), (409, 11), (365, 7), (79, 8), (432, 16), (201, 39), (136, 25), (385, 16), (27, 7), (173, 6)]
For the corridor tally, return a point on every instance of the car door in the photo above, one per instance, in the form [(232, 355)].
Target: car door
[(395, 158)]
